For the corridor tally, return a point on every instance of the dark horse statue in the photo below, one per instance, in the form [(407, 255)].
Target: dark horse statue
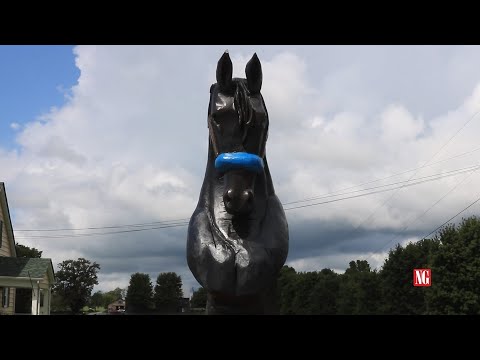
[(238, 235)]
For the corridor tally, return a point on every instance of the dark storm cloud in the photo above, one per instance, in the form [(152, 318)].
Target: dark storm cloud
[(320, 238)]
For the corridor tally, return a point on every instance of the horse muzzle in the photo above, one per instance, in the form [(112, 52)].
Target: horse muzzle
[(239, 170), (238, 202)]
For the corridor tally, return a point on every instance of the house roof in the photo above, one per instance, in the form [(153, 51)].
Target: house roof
[(25, 267), (117, 302), (8, 220)]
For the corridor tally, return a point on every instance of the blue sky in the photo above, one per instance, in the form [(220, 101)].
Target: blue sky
[(33, 79), (129, 146)]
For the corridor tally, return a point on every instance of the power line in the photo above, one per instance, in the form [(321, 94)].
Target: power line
[(441, 148), (380, 186), (332, 194), (421, 215), (372, 192), (109, 227), (385, 178), (287, 203), (185, 223), (102, 233), (453, 217), (436, 229), (421, 167), (451, 138)]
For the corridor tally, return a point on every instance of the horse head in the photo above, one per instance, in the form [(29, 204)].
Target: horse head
[(238, 127)]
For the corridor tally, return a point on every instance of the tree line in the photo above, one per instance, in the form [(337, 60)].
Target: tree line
[(75, 280), (165, 297), (453, 255)]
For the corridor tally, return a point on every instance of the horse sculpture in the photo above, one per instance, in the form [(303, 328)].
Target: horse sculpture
[(238, 234)]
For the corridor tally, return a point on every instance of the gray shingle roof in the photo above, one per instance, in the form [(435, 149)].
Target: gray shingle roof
[(24, 267)]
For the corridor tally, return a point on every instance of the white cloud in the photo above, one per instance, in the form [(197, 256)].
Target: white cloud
[(130, 145), (399, 126), (15, 126)]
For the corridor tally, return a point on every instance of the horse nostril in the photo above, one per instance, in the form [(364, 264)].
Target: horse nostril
[(228, 196), (238, 201), (247, 196)]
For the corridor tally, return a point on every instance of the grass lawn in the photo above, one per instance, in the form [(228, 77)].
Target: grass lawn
[(96, 309)]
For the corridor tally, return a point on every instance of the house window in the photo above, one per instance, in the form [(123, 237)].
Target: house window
[(42, 296), (1, 228), (5, 296)]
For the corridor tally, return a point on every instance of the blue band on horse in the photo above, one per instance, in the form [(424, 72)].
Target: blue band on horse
[(239, 160)]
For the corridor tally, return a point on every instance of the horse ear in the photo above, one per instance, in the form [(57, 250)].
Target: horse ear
[(253, 70), (224, 72)]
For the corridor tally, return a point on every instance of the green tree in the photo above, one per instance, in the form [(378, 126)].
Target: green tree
[(57, 303), (113, 295), (97, 299), (199, 298), (323, 296), (139, 293), (75, 281), (456, 270), (117, 292), (168, 292), (359, 291), (27, 252), (286, 287), (399, 296), (304, 286), (108, 298)]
